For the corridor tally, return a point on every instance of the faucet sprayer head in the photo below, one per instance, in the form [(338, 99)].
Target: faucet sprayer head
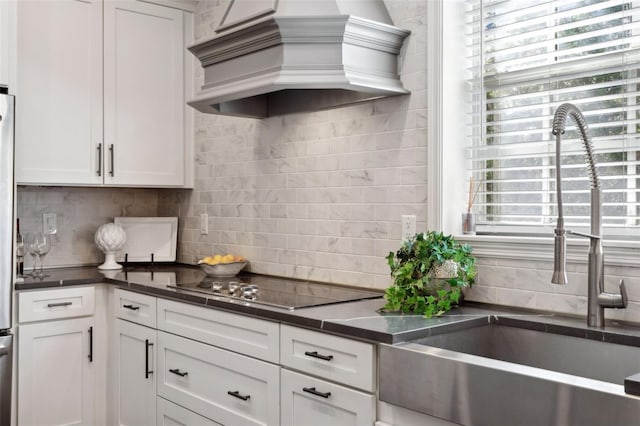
[(559, 257)]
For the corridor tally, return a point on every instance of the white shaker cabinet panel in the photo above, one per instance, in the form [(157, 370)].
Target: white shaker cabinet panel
[(144, 94), (226, 387), (56, 376), (135, 307), (330, 357), (135, 358), (59, 303), (238, 333), (59, 91), (170, 414), (7, 44), (309, 401)]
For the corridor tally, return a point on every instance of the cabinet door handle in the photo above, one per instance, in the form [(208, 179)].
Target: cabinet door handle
[(55, 305), (90, 344), (112, 167), (238, 395), (147, 345), (133, 308), (315, 354), (99, 171), (317, 393), (178, 372)]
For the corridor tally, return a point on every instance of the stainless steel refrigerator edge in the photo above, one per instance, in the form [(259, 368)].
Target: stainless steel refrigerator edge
[(7, 108)]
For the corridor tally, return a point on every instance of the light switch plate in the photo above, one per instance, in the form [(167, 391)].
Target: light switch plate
[(204, 224)]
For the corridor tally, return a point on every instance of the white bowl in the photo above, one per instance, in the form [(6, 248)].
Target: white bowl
[(223, 269)]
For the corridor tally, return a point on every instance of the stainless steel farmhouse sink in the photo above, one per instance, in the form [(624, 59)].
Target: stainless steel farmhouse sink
[(514, 371)]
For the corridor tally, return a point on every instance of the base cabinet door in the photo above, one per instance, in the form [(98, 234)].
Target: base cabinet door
[(56, 374), (170, 414), (308, 401), (135, 362)]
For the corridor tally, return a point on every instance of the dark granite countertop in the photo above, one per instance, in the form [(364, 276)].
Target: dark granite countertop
[(360, 319)]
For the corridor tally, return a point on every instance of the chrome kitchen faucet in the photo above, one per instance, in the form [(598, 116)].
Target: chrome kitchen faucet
[(597, 298)]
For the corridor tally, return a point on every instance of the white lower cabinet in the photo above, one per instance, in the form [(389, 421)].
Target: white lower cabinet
[(170, 414), (212, 367), (135, 363), (309, 401), (230, 388), (56, 375), (61, 360)]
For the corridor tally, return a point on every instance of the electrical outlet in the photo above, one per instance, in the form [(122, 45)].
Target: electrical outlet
[(408, 226), (204, 224), (49, 223)]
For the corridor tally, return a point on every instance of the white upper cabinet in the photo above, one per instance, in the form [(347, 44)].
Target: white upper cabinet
[(144, 94), (100, 93), (6, 35), (59, 93)]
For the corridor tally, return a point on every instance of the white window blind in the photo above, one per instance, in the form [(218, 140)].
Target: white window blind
[(525, 59)]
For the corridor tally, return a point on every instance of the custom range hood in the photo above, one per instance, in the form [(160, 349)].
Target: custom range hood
[(274, 57)]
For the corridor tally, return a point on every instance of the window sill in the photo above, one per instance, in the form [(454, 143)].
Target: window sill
[(616, 253)]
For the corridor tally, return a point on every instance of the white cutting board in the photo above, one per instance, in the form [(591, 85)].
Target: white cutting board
[(147, 235)]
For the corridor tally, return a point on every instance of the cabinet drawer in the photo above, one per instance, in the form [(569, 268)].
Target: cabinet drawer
[(330, 357), (135, 307), (170, 414), (229, 388), (308, 401), (238, 333), (59, 303)]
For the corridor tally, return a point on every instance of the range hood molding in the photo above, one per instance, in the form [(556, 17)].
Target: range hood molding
[(287, 64)]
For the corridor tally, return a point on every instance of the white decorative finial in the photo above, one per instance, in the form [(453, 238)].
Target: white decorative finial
[(110, 238)]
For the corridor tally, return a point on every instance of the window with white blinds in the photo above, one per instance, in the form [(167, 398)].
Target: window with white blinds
[(526, 58)]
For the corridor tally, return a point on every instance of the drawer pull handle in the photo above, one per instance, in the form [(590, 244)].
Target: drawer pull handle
[(90, 344), (111, 149), (178, 372), (317, 393), (315, 354), (237, 395), (147, 345), (55, 305), (99, 171), (133, 308)]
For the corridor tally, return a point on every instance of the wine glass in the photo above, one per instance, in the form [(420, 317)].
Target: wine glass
[(29, 245), (42, 243)]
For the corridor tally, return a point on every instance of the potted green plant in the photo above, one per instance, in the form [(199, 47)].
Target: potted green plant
[(429, 272)]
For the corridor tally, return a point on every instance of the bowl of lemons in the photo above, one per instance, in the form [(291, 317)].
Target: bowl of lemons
[(222, 266)]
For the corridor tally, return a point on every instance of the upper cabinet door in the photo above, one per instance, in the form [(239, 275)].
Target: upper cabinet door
[(7, 40), (59, 92), (144, 94)]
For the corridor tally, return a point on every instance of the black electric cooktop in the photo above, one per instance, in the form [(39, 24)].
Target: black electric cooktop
[(275, 291)]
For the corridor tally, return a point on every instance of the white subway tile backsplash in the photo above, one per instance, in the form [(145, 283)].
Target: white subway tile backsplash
[(508, 296), (480, 293), (496, 276), (80, 212)]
